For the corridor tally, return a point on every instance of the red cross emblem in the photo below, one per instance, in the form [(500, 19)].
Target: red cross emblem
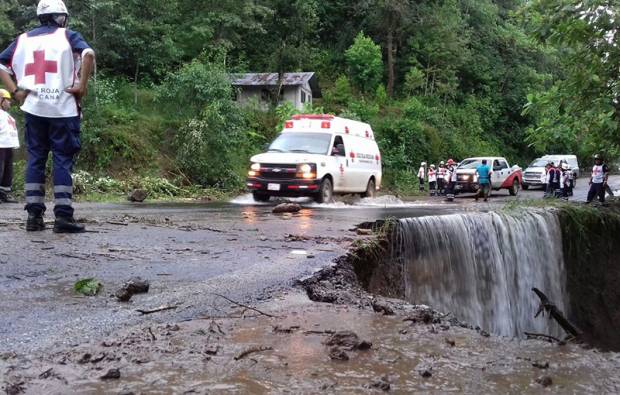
[(12, 123), (40, 67)]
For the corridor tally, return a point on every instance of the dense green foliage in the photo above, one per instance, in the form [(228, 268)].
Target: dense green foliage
[(582, 106), (435, 78)]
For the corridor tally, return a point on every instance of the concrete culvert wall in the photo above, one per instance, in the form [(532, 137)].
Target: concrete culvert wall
[(482, 267)]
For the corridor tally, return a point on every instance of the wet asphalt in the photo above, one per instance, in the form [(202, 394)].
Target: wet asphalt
[(188, 251)]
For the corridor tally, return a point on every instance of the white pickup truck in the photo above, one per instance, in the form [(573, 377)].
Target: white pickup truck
[(503, 176)]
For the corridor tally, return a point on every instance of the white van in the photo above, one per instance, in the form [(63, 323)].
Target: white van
[(535, 174), (318, 156)]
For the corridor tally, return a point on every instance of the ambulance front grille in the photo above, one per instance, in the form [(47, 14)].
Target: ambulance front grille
[(278, 171)]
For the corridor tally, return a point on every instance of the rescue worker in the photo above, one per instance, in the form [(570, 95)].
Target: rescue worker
[(565, 181), (422, 175), (546, 182), (8, 141), (553, 180), (441, 173), (598, 180), (432, 180), (51, 66), (451, 178), (484, 180)]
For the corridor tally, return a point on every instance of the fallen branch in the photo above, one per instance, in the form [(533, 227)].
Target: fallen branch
[(157, 310), (245, 306), (555, 313), (251, 350), (541, 335), (325, 332), (153, 338)]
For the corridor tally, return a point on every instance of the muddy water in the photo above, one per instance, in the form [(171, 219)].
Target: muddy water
[(299, 363), (482, 267)]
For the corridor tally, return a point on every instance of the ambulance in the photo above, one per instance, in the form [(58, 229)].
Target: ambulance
[(318, 156)]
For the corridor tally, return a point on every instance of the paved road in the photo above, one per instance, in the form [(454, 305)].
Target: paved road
[(187, 251)]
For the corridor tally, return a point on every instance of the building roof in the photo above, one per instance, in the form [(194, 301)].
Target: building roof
[(271, 79)]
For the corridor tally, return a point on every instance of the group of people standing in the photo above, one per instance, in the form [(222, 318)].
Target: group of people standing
[(559, 180), (441, 180)]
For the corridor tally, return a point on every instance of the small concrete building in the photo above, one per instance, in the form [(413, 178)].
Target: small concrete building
[(297, 88)]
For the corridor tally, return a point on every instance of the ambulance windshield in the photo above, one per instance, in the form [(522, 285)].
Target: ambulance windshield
[(310, 143)]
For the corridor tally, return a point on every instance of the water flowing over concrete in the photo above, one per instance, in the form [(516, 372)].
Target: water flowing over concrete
[(482, 267)]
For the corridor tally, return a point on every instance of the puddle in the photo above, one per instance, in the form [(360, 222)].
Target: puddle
[(347, 201)]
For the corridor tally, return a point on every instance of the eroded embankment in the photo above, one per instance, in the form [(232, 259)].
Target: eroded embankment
[(591, 244), (481, 267)]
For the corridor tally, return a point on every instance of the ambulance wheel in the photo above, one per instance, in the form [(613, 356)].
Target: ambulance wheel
[(514, 190), (371, 189), (525, 187), (326, 192), (260, 197)]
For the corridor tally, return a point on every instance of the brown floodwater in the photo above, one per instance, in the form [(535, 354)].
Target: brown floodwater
[(299, 362)]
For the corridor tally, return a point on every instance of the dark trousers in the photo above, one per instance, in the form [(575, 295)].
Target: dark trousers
[(61, 136), (483, 191), (6, 169), (596, 190), (432, 186), (421, 183), (450, 190), (440, 185)]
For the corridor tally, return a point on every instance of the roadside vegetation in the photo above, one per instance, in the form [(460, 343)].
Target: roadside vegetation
[(435, 79)]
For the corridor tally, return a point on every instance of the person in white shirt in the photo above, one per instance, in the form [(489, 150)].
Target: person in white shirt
[(9, 140), (598, 180), (422, 175), (432, 180)]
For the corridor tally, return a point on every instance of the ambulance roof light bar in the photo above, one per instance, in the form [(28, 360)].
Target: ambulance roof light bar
[(322, 117)]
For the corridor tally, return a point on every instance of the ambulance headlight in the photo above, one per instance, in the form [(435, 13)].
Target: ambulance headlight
[(475, 177), (306, 171), (255, 167), (305, 168)]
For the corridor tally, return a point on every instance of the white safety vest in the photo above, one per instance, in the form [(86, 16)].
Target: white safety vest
[(432, 176), (45, 66), (8, 131), (421, 172), (598, 177), (447, 175), (453, 176)]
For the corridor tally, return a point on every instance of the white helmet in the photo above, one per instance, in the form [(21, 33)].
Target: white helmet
[(51, 7), (423, 164), (432, 166)]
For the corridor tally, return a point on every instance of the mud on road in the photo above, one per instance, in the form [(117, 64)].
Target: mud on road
[(291, 344), (204, 263)]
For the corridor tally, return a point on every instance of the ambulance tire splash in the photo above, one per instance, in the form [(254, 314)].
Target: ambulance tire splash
[(260, 197), (371, 189), (326, 192)]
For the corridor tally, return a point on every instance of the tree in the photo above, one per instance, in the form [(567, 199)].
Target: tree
[(584, 105), (364, 63), (389, 18)]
